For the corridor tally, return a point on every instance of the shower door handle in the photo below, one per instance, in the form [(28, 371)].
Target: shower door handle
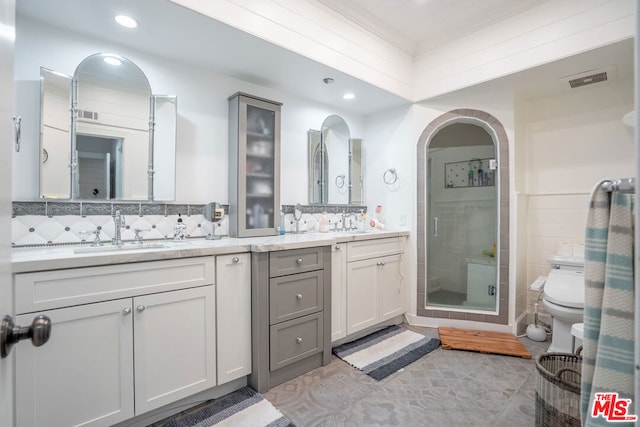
[(435, 226)]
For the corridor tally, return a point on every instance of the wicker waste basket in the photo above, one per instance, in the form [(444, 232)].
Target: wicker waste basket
[(558, 390)]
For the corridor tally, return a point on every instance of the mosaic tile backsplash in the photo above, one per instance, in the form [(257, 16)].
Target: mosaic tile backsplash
[(67, 223)]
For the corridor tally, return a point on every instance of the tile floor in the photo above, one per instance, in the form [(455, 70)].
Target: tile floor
[(444, 388)]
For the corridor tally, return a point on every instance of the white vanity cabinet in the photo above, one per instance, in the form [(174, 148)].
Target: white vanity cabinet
[(143, 336), (374, 286), (233, 307), (84, 374)]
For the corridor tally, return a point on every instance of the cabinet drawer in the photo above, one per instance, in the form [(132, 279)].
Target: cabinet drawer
[(295, 295), (366, 249), (295, 340), (62, 288), (282, 263)]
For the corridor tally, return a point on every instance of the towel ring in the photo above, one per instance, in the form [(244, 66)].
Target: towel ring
[(390, 176), (340, 181)]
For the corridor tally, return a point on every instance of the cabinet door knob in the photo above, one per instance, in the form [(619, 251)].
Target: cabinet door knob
[(299, 260), (337, 247), (235, 260), (126, 311), (140, 308), (299, 340), (299, 297)]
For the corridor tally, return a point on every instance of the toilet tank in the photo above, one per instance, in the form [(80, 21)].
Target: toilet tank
[(568, 262)]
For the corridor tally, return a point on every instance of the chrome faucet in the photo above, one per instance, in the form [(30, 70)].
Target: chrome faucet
[(352, 224), (119, 223)]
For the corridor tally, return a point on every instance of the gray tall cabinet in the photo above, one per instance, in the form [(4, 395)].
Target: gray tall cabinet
[(254, 166)]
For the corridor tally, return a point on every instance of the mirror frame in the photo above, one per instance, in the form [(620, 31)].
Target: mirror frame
[(317, 146), (75, 185)]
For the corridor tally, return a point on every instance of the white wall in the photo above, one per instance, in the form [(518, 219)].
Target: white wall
[(554, 30), (202, 141), (571, 142)]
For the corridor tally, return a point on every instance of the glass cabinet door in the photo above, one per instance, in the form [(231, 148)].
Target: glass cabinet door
[(260, 166), (254, 187)]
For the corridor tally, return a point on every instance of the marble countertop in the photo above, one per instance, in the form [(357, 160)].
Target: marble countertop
[(39, 259)]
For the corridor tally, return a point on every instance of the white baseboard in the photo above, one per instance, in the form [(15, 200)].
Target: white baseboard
[(435, 322)]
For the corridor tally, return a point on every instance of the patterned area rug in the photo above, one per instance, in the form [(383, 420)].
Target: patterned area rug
[(242, 408), (387, 351)]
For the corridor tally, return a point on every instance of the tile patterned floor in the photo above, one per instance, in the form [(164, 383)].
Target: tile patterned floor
[(444, 388)]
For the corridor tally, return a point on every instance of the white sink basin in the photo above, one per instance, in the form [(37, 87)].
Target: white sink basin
[(112, 248)]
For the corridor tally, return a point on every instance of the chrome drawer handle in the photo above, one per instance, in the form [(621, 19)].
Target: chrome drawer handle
[(126, 311), (299, 297), (299, 340), (235, 260), (299, 260), (140, 308)]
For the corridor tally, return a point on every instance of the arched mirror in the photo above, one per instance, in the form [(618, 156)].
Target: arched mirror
[(336, 164), (111, 139), (118, 144)]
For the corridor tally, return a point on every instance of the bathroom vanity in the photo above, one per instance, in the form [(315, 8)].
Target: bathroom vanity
[(138, 334)]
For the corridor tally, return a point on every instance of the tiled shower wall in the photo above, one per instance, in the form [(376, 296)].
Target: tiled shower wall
[(59, 223)]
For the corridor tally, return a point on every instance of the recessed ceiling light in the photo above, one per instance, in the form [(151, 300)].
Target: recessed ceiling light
[(348, 95), (126, 21), (112, 60)]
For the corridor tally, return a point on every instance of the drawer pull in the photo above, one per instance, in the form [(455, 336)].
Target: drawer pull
[(380, 264), (299, 297), (126, 311), (235, 260), (299, 340), (140, 308), (299, 260)]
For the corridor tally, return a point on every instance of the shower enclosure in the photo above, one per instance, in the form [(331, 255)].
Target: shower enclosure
[(463, 221)]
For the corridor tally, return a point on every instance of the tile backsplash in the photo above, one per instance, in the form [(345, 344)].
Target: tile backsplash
[(63, 223), (59, 223)]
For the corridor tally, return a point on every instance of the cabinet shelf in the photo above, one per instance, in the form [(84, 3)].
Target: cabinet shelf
[(256, 134), (259, 195), (259, 175)]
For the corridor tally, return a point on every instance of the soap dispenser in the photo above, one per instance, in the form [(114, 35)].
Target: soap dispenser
[(324, 223), (179, 229)]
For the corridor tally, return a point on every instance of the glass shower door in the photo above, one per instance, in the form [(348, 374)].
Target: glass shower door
[(462, 206)]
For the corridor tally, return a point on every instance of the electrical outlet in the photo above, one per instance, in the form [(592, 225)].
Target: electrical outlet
[(403, 219)]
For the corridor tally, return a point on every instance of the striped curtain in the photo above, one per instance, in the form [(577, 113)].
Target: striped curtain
[(608, 345)]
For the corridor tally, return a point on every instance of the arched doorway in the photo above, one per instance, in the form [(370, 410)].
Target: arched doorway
[(463, 210)]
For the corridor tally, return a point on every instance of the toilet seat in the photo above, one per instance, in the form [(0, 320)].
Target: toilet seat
[(565, 288)]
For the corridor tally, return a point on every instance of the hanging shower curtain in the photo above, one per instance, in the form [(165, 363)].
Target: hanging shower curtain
[(608, 345)]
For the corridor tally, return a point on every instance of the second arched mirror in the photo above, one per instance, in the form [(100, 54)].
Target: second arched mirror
[(336, 164)]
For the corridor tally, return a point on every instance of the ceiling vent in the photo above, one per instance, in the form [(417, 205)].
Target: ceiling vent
[(589, 77), (588, 80), (87, 115)]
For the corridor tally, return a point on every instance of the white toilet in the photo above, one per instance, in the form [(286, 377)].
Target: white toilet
[(563, 299)]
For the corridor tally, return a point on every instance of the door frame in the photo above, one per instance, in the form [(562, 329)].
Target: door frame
[(7, 108), (493, 126)]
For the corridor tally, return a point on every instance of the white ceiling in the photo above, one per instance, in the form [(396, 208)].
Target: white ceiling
[(176, 33), (415, 26)]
